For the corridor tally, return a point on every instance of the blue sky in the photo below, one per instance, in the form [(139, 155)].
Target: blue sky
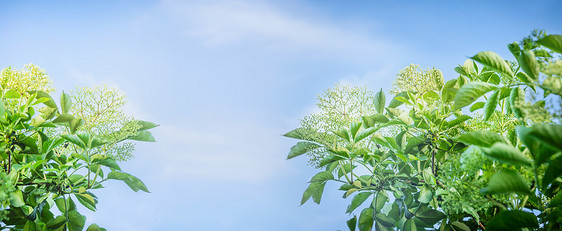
[(224, 79)]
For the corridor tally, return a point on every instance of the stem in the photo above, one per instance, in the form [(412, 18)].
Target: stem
[(344, 173)]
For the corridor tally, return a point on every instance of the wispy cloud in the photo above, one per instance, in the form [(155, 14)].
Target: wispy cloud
[(223, 22)]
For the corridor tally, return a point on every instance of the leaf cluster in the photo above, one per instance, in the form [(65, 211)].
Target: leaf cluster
[(444, 169)]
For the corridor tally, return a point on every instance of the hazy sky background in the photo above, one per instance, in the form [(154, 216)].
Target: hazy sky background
[(224, 79)]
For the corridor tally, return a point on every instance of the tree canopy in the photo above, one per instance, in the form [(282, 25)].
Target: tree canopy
[(481, 151), (52, 155)]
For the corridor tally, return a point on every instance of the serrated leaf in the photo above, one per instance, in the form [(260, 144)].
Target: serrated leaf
[(470, 92), (385, 220), (508, 154), (506, 181), (494, 61), (94, 227), (380, 201), (379, 101), (553, 42), (357, 201), (490, 105), (482, 138), (301, 148), (512, 220), (354, 128)]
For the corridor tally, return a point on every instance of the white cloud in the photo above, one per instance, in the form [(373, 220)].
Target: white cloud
[(222, 22)]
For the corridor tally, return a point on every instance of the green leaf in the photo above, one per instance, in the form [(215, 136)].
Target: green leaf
[(29, 226), (516, 97), (379, 101), (315, 191), (482, 138), (64, 118), (12, 94), (105, 160), (508, 154), (506, 181), (145, 136), (385, 220), (65, 102), (553, 171), (458, 121), (322, 177), (16, 199), (364, 133), (134, 183), (56, 222), (394, 103), (342, 133), (426, 194), (354, 128), (74, 124), (553, 42), (352, 223), (301, 148), (529, 64), (366, 220), (494, 61), (358, 200), (94, 227), (298, 133), (512, 220), (459, 226), (41, 94), (550, 134), (145, 125), (410, 225), (476, 106), (490, 105), (87, 200), (370, 121), (470, 92), (75, 140), (514, 49), (429, 216), (75, 221), (380, 201)]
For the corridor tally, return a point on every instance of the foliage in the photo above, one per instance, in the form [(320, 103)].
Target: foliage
[(496, 168), (49, 160)]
